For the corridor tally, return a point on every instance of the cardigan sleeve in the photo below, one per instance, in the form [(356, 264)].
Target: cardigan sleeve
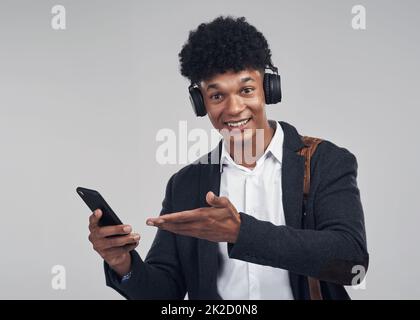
[(159, 276), (329, 253)]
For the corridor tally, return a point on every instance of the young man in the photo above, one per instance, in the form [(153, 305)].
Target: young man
[(233, 229)]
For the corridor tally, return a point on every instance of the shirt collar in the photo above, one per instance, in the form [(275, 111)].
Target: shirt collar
[(274, 148), (276, 144)]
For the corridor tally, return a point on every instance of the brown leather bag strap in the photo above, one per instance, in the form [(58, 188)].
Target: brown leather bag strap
[(311, 144)]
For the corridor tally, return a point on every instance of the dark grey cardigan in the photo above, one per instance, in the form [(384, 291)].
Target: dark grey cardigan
[(179, 264)]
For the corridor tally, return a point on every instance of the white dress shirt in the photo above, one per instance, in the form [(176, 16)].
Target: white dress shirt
[(256, 192)]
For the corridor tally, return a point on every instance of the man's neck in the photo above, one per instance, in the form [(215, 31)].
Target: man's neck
[(254, 147)]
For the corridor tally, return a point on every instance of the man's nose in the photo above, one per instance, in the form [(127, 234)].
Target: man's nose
[(234, 105)]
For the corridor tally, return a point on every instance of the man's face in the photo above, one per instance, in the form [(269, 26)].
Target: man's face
[(235, 102)]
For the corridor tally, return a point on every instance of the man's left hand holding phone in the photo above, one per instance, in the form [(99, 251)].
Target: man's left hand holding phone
[(112, 239)]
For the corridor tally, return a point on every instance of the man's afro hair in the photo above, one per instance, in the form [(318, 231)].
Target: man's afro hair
[(222, 45)]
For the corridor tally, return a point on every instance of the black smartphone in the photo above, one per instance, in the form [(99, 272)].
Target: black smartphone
[(94, 201)]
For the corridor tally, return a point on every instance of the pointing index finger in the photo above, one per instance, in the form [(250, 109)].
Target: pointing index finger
[(177, 217)]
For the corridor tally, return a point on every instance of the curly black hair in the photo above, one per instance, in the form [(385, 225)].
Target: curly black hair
[(222, 45)]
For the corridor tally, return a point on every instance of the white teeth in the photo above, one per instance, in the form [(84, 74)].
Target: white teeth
[(238, 124)]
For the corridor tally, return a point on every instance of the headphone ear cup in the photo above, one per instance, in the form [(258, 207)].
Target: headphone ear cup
[(276, 94), (197, 101), (267, 90), (272, 88)]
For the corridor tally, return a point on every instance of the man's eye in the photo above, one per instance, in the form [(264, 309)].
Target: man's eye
[(215, 96), (248, 90)]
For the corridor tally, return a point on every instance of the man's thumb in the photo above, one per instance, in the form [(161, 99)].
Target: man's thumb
[(215, 201), (98, 214)]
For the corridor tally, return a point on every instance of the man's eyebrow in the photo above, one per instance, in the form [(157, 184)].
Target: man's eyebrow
[(246, 79), (216, 85)]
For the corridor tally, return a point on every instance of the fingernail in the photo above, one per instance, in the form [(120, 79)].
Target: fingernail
[(127, 229), (136, 237), (150, 223)]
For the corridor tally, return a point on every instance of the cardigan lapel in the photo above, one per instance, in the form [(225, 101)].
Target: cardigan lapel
[(292, 173), (208, 250)]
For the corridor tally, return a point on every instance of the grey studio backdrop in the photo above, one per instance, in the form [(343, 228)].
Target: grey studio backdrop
[(82, 106)]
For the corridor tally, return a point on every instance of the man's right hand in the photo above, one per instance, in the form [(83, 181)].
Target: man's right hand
[(116, 250)]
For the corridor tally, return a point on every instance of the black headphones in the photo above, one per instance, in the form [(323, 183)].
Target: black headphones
[(272, 92)]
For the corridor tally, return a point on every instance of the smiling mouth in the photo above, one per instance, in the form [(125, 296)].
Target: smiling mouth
[(237, 124)]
